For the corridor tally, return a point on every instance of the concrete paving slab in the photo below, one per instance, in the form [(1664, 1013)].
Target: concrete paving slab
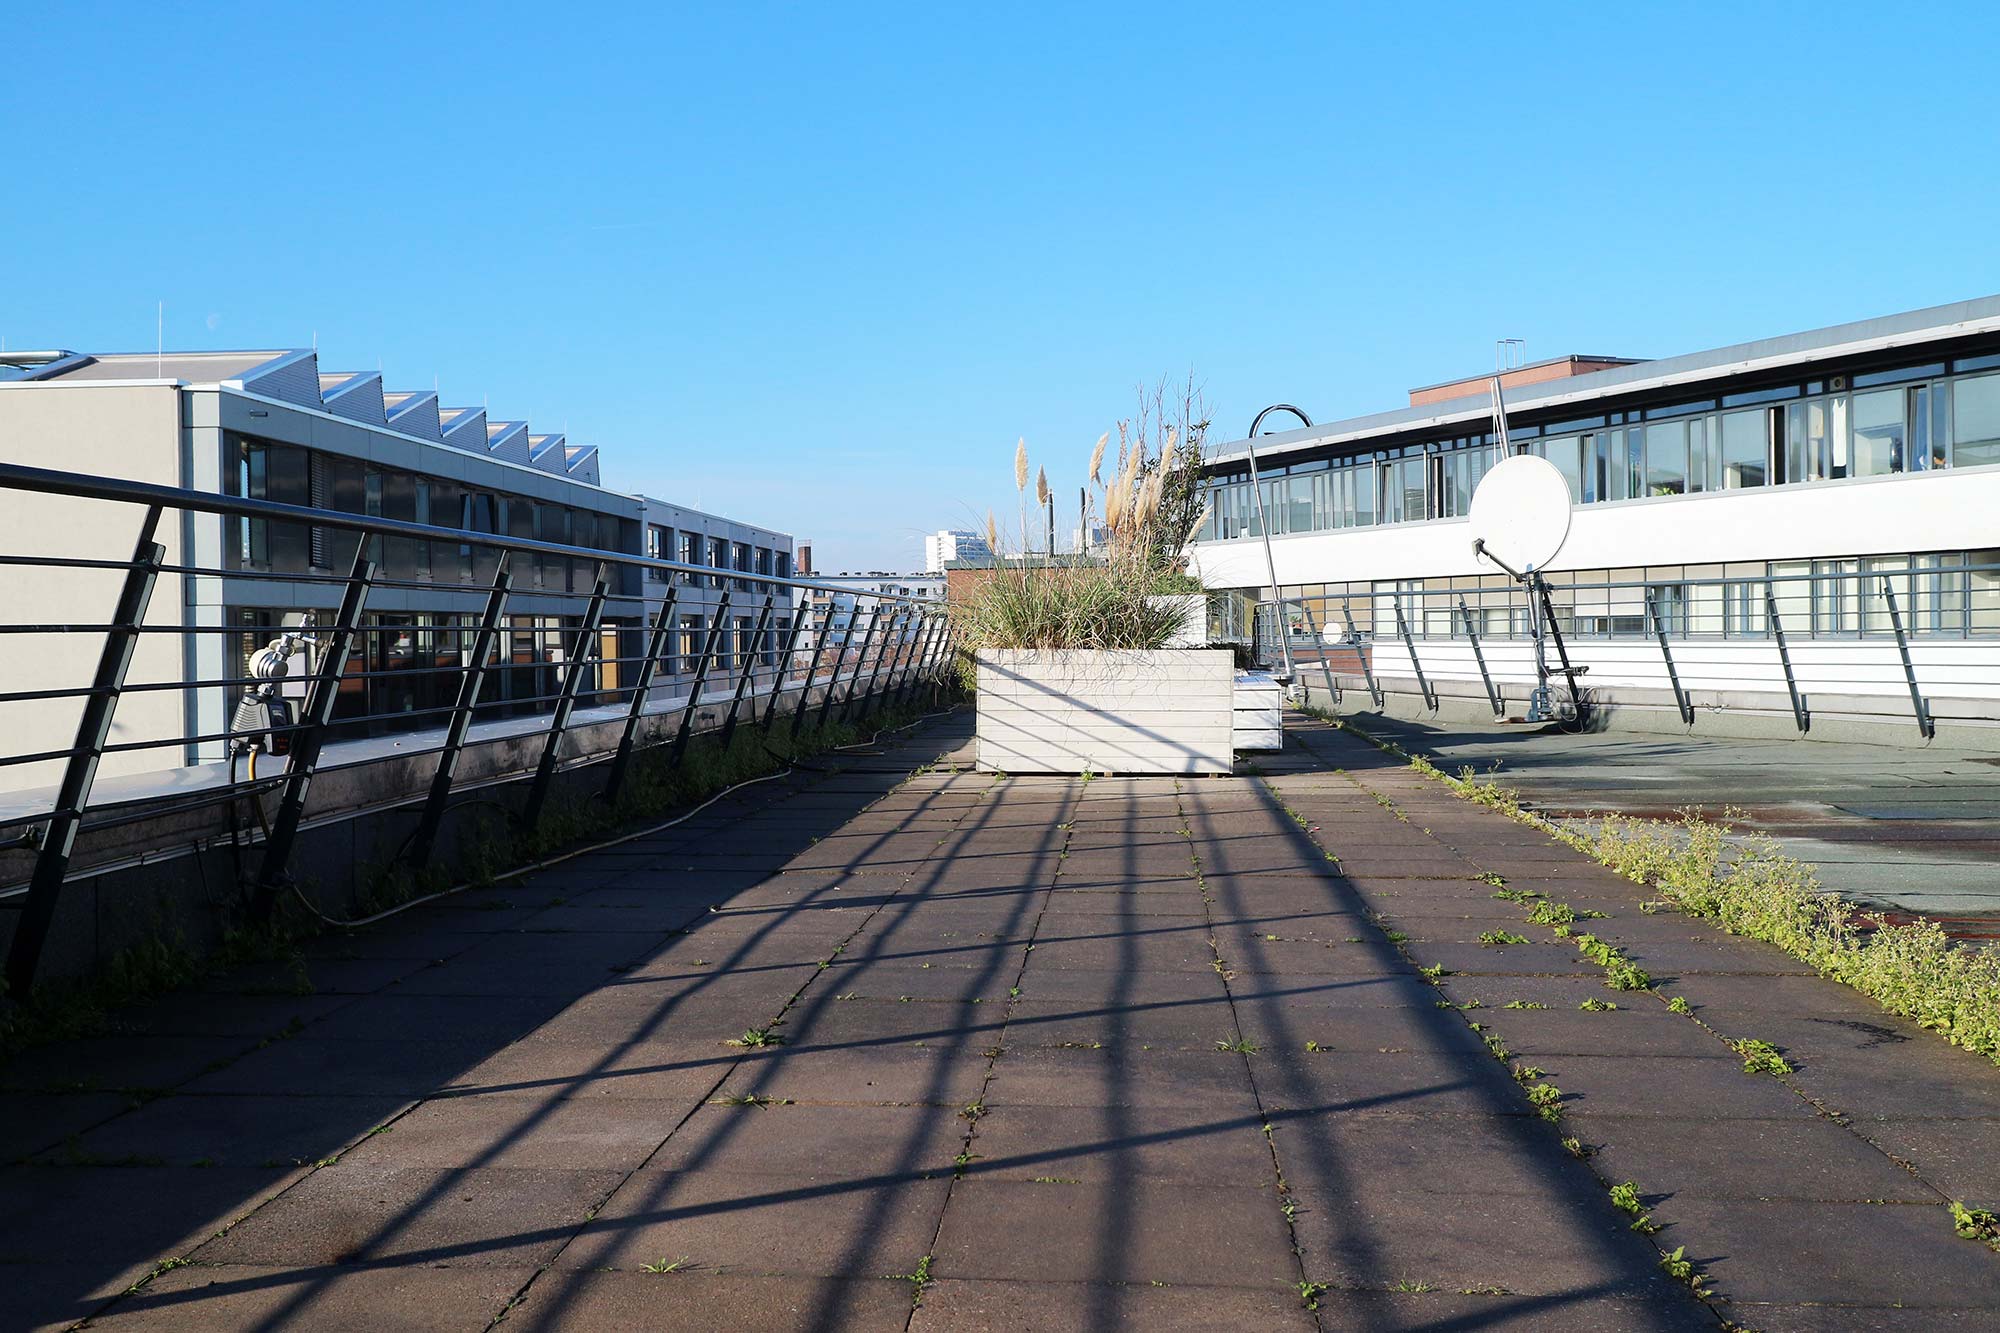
[(816, 1142), (971, 1306), (1113, 1144), (489, 1217), (211, 1298), (1134, 1232), (240, 1131), (731, 1222), (684, 1300)]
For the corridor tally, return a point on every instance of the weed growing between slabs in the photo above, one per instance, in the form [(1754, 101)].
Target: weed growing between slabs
[(1749, 886)]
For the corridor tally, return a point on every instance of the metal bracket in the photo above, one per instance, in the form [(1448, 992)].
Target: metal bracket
[(80, 770), (784, 668), (1673, 673), (709, 643), (749, 671), (1799, 714), (812, 672), (656, 647), (311, 733), (1361, 655), (581, 650), (469, 687), (1918, 704), (1479, 656), (1410, 646)]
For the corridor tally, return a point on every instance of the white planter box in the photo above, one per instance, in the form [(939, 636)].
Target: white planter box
[(1260, 712), (1076, 710)]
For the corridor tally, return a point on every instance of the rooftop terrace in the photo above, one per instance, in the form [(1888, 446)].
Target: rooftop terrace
[(895, 1045)]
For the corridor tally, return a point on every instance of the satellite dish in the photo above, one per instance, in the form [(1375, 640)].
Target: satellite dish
[(1520, 514)]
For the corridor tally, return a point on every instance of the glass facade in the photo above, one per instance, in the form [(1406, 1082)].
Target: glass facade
[(1924, 420), (290, 474)]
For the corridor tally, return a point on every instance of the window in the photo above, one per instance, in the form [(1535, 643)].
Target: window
[(1666, 458), (683, 659), (1877, 448), (1704, 455), (1815, 440), (780, 633), (1745, 441), (659, 545), (253, 539), (1975, 425), (1299, 504), (718, 558), (1565, 453), (784, 564)]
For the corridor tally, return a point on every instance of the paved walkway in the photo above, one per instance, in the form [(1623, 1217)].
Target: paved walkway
[(1045, 1054), (1909, 829)]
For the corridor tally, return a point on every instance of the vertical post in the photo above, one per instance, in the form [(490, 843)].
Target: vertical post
[(656, 647), (900, 640), (888, 648), (1361, 654), (749, 671), (93, 728), (579, 662), (943, 663), (1799, 713), (785, 668), (1666, 654), (311, 733), (469, 686), (1410, 646), (1319, 643), (860, 660), (812, 669), (1471, 633), (920, 661), (1925, 724), (708, 646), (1562, 648)]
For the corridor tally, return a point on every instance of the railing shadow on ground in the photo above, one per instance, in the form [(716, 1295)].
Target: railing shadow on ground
[(439, 1058)]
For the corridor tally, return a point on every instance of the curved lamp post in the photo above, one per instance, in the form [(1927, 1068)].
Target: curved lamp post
[(1264, 526)]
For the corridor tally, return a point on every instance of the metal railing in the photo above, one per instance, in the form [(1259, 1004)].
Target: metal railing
[(1885, 640), (609, 655)]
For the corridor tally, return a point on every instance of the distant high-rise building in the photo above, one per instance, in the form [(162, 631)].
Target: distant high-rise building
[(953, 544)]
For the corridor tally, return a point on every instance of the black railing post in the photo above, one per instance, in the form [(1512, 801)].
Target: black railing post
[(80, 770), (1799, 714), (812, 670), (1319, 646), (847, 700), (311, 733), (656, 648), (867, 693), (899, 628), (1472, 634), (784, 669), (945, 660), (581, 649), (749, 672), (1925, 725), (1673, 673), (1361, 654), (708, 646), (469, 686), (1410, 646), (920, 660)]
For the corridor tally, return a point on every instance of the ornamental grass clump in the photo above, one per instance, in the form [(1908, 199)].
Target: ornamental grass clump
[(1151, 508)]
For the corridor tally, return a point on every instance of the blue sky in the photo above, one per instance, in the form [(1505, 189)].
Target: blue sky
[(820, 267)]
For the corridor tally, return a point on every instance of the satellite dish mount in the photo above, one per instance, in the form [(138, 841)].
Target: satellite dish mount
[(1520, 518)]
